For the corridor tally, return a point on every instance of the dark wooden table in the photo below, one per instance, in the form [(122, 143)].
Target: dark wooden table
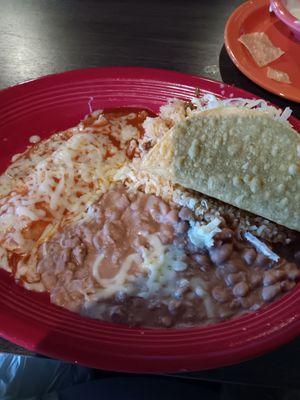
[(39, 37)]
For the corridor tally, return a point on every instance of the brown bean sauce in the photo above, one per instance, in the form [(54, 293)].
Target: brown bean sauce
[(226, 280)]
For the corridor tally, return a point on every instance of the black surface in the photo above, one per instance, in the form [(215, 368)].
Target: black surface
[(39, 37), (278, 369), (163, 388)]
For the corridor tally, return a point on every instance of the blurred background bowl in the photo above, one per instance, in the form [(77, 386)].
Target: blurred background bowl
[(282, 9)]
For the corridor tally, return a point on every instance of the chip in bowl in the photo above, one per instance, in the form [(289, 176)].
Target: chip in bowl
[(279, 76), (261, 48)]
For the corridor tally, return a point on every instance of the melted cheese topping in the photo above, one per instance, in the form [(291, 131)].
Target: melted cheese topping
[(118, 282), (55, 181), (160, 262)]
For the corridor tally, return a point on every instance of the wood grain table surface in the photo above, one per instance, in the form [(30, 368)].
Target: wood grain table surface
[(40, 37)]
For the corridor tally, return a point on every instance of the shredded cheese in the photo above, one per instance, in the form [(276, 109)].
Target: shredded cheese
[(210, 101), (261, 247), (202, 235)]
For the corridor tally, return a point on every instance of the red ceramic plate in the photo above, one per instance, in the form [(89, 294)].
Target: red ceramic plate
[(254, 16), (59, 101)]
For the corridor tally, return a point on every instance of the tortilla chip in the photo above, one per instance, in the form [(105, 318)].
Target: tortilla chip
[(241, 157), (261, 48), (277, 75)]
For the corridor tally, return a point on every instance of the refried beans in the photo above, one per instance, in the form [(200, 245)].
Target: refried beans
[(130, 260)]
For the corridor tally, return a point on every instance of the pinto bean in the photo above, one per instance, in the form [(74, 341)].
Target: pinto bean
[(151, 202), (249, 256), (233, 279), (166, 321), (201, 259), (255, 279), (234, 304), (273, 276), (292, 271), (221, 253), (205, 268), (179, 242), (164, 208), (190, 314), (241, 289), (262, 261), (234, 264), (173, 306), (269, 292), (166, 234), (225, 235), (59, 296), (287, 285), (185, 214), (191, 248), (255, 307), (180, 291), (245, 302), (157, 208), (183, 283), (221, 294), (171, 217), (181, 227), (116, 313), (122, 202), (71, 266), (135, 205)]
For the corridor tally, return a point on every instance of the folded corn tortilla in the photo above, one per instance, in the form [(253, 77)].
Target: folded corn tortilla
[(242, 157)]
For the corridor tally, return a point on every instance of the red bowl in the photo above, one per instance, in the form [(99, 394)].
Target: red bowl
[(59, 101)]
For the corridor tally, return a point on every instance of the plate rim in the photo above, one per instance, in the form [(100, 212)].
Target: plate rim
[(162, 362)]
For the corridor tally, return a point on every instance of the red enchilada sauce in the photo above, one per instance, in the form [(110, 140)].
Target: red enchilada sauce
[(132, 116)]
